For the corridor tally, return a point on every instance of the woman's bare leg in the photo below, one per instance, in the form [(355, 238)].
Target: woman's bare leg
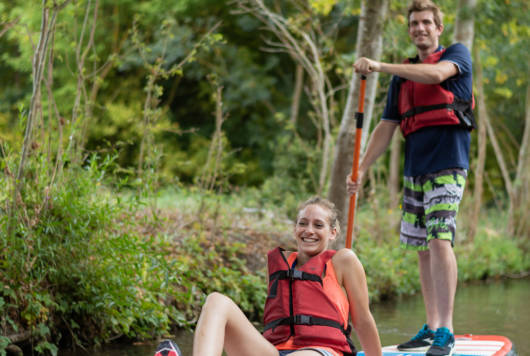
[(222, 325)]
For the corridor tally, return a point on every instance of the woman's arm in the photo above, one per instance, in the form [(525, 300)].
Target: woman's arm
[(350, 274)]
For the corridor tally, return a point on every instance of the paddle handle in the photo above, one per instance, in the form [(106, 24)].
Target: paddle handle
[(359, 117)]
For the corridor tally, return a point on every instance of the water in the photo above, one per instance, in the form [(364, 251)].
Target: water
[(498, 308), (494, 308)]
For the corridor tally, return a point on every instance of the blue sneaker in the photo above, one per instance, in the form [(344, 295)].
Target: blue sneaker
[(421, 342), (167, 348), (443, 344)]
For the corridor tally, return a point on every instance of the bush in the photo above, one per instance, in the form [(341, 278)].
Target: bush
[(73, 268), (491, 256), (205, 266)]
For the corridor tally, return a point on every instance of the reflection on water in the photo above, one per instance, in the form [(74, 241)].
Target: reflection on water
[(499, 308)]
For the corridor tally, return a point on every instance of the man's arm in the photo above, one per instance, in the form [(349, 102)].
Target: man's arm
[(420, 72), (378, 143)]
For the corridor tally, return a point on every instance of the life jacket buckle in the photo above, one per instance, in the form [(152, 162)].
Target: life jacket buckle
[(294, 274), (302, 320)]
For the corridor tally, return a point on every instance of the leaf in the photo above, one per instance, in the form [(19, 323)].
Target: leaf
[(323, 7), (491, 61), (501, 77), (504, 92)]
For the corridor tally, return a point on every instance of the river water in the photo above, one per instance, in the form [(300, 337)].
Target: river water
[(497, 307)]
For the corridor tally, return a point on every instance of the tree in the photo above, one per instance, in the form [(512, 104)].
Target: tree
[(464, 33), (519, 218), (481, 155), (302, 45), (501, 85), (465, 23), (40, 58), (369, 44)]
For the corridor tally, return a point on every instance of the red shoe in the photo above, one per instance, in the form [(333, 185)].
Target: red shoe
[(167, 348)]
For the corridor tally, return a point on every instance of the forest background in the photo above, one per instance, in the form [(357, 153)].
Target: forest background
[(152, 151)]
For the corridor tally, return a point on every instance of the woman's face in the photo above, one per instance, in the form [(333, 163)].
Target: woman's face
[(312, 230)]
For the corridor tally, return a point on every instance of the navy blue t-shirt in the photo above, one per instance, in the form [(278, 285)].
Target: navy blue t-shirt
[(434, 148)]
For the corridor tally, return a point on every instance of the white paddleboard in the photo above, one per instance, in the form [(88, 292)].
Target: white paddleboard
[(465, 345)]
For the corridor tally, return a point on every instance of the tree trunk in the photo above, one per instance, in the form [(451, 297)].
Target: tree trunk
[(481, 158), (517, 192), (369, 44), (465, 23), (464, 33), (38, 67), (519, 218), (500, 158), (297, 94), (81, 57)]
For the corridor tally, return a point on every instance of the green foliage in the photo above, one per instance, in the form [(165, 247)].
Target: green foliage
[(206, 266), (79, 266), (296, 163), (84, 271), (499, 256), (390, 270), (86, 262), (257, 85)]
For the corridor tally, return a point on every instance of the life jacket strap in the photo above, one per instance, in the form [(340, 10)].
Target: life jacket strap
[(312, 320), (462, 108), (295, 274), (307, 320), (291, 274), (421, 109)]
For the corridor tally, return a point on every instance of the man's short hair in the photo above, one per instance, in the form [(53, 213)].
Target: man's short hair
[(426, 5)]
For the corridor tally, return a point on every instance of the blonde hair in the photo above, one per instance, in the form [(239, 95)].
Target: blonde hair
[(333, 219), (426, 5)]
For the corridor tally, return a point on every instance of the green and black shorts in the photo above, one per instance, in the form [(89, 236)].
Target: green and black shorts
[(430, 205)]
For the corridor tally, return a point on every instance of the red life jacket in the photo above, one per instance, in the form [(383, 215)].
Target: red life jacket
[(297, 305), (422, 105)]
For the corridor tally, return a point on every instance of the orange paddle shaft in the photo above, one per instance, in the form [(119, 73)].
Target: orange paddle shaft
[(359, 116)]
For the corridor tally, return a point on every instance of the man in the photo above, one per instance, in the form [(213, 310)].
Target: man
[(430, 98)]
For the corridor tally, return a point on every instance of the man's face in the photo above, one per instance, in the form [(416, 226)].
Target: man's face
[(423, 31)]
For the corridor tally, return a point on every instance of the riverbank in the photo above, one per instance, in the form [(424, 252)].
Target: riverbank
[(490, 307), (136, 270)]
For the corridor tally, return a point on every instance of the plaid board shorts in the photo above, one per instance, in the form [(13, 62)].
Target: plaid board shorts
[(430, 205)]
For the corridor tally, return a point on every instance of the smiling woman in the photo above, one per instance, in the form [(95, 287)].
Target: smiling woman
[(316, 225), (311, 295)]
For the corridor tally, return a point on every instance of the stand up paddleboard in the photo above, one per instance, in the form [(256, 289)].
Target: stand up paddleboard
[(465, 345)]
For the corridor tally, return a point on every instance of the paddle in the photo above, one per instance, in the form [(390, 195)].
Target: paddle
[(359, 115)]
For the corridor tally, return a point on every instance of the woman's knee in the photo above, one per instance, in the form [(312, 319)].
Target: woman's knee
[(216, 301)]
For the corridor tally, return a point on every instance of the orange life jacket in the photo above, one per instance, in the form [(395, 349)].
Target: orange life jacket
[(298, 307), (422, 105)]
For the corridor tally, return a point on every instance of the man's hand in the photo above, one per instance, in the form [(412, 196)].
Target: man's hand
[(366, 65), (353, 187)]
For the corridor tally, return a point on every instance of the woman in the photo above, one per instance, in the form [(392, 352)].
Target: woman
[(311, 293)]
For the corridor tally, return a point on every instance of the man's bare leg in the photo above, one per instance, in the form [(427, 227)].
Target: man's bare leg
[(444, 274), (427, 289)]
